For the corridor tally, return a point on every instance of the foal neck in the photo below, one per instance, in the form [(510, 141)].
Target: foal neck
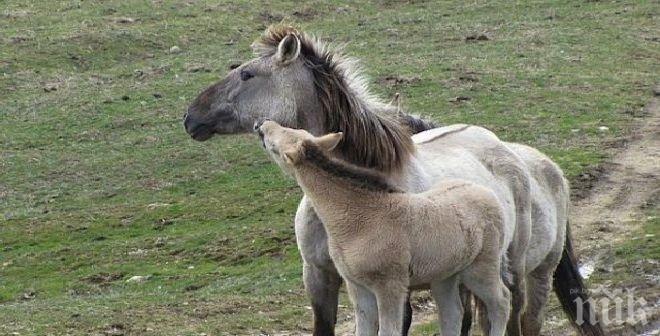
[(354, 177), (339, 189)]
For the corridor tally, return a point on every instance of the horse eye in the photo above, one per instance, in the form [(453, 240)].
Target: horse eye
[(245, 75)]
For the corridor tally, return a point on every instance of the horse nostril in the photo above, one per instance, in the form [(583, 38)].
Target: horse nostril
[(186, 122)]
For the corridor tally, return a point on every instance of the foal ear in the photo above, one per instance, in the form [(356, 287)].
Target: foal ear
[(291, 157), (288, 49), (329, 141)]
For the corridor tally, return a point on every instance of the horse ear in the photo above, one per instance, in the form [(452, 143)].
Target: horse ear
[(288, 49), (329, 141)]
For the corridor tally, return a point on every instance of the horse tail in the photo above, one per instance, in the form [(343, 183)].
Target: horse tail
[(416, 124), (569, 287)]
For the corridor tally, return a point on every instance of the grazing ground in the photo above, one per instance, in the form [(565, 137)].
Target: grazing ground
[(114, 222)]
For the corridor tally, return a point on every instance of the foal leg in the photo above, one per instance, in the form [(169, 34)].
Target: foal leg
[(323, 289), (450, 307), (365, 307), (391, 298)]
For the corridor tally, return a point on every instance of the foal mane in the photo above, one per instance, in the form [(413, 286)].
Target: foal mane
[(359, 177), (371, 139)]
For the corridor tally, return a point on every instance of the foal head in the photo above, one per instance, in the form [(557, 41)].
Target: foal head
[(286, 146), (290, 148)]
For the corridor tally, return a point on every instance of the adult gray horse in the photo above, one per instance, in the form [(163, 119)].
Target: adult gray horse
[(300, 82)]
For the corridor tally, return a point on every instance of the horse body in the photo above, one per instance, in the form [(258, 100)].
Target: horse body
[(299, 82), (383, 241)]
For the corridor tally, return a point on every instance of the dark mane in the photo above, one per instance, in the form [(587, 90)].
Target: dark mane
[(371, 139), (359, 177)]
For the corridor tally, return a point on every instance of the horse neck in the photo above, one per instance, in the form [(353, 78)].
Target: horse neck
[(336, 200), (311, 120)]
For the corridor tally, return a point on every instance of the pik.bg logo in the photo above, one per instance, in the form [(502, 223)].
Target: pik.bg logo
[(613, 307)]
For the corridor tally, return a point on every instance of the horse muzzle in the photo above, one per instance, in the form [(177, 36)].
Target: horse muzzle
[(197, 130)]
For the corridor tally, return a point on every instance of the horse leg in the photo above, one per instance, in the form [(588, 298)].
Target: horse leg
[(365, 307), (450, 307), (486, 284), (323, 289), (466, 298), (539, 284), (517, 176), (319, 275), (517, 287), (407, 316)]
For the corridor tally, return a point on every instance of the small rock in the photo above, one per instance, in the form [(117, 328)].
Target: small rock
[(138, 278), (103, 278), (399, 80), (28, 295), (603, 128), (114, 330), (605, 268), (50, 87), (175, 50), (191, 288), (477, 37), (197, 68), (160, 242), (138, 252), (124, 20), (459, 99), (157, 205)]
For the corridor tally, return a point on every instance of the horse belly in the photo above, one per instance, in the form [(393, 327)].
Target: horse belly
[(458, 163), (544, 229)]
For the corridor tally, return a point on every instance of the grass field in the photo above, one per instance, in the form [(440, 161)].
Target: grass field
[(99, 182)]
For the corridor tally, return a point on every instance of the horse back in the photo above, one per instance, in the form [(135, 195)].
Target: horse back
[(474, 204)]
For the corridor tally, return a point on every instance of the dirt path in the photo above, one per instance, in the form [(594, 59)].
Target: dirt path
[(614, 210)]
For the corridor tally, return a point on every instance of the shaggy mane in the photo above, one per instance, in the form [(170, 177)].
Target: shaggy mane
[(374, 132), (360, 177)]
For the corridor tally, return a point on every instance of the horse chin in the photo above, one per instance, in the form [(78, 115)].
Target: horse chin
[(202, 136)]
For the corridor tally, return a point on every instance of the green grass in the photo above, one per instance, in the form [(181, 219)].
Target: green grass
[(97, 176)]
